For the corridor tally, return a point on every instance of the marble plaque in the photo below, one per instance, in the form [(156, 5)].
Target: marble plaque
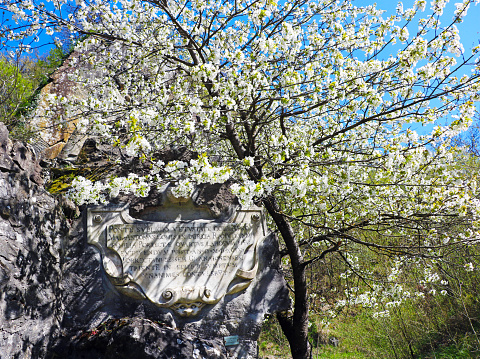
[(181, 265)]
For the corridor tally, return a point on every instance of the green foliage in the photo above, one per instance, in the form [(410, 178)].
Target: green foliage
[(440, 324), (15, 89), (20, 83), (48, 64), (461, 347)]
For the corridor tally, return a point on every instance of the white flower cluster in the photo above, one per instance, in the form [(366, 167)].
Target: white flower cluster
[(84, 191), (461, 9), (469, 267), (137, 144), (382, 298), (287, 99), (194, 172), (247, 192), (135, 184)]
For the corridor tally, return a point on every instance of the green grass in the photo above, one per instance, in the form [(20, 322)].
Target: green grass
[(427, 331), (272, 342), (464, 346), (327, 352)]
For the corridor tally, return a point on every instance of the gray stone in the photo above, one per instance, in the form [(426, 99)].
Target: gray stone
[(6, 162), (30, 270), (54, 292), (333, 341), (140, 338)]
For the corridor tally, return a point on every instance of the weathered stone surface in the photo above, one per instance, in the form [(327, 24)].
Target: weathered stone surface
[(31, 232), (54, 128), (54, 292), (129, 338), (6, 162)]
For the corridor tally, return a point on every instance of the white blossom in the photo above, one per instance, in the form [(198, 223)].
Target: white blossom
[(469, 267), (312, 105)]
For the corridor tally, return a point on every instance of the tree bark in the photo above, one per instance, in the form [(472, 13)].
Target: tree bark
[(296, 327)]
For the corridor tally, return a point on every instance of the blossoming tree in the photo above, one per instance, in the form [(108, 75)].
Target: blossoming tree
[(306, 107)]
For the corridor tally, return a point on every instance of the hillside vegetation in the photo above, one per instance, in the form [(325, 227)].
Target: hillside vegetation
[(21, 78)]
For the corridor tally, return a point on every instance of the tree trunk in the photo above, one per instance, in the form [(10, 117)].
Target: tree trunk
[(295, 328)]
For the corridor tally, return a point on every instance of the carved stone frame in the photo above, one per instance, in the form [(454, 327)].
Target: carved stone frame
[(185, 300)]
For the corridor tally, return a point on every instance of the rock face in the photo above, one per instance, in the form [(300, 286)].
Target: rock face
[(128, 338), (54, 127), (56, 301), (31, 236)]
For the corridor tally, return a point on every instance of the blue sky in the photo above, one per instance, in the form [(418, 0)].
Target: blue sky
[(469, 29)]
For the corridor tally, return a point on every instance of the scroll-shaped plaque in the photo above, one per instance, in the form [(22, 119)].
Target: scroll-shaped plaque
[(181, 265)]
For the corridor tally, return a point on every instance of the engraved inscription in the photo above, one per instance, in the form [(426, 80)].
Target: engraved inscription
[(179, 265), (171, 255)]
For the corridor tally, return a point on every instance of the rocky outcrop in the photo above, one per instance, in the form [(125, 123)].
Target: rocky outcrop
[(129, 338), (55, 298), (50, 119), (31, 240)]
